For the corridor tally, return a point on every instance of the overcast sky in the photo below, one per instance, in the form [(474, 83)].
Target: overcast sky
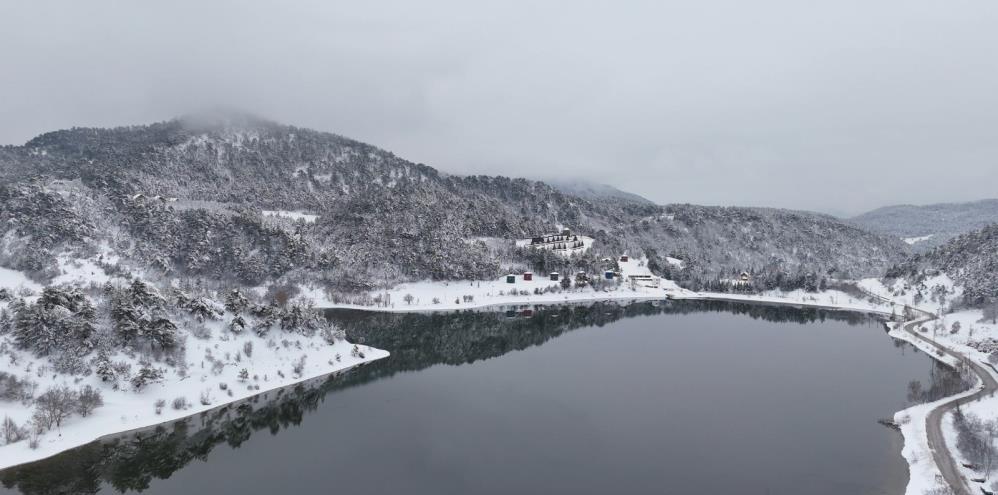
[(837, 106)]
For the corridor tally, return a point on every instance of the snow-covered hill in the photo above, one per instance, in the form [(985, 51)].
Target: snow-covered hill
[(929, 226)]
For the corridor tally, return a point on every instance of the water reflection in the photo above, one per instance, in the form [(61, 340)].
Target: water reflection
[(417, 341)]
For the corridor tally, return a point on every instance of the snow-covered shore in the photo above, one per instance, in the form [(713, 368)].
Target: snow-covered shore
[(964, 331), (831, 300), (270, 366), (216, 367), (450, 296), (888, 301), (126, 410)]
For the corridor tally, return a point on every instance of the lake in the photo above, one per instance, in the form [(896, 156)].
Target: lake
[(673, 398)]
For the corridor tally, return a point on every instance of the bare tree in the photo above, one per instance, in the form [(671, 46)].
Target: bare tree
[(54, 406), (90, 399), (11, 432)]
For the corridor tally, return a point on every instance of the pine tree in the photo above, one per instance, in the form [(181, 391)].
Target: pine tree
[(235, 302), (237, 325), (6, 322), (162, 332)]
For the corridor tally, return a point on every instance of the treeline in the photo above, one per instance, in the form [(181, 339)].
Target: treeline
[(970, 259)]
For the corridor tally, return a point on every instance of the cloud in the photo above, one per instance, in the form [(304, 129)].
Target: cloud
[(837, 106)]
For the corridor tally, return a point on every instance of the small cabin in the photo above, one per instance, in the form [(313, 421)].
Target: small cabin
[(528, 276), (745, 277), (624, 258), (510, 279), (566, 232), (554, 276)]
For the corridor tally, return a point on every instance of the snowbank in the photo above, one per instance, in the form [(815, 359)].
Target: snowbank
[(832, 299), (204, 386), (447, 296), (215, 368)]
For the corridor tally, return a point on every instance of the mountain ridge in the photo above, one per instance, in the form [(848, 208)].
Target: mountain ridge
[(380, 218), (932, 225)]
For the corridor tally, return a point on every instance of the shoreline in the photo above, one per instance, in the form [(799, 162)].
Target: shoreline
[(914, 441), (24, 457), (914, 422), (524, 301), (915, 446)]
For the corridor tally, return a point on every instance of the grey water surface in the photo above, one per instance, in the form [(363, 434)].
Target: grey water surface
[(673, 398)]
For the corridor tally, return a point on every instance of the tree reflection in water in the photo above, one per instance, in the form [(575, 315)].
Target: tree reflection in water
[(417, 341)]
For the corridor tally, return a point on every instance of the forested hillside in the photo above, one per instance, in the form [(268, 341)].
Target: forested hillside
[(929, 226), (779, 248), (186, 199), (970, 259)]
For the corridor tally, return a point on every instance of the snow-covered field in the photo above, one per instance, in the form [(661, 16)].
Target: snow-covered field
[(925, 295), (445, 296), (587, 243), (916, 240), (828, 299)]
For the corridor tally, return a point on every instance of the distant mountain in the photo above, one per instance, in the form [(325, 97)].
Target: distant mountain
[(970, 259), (594, 191), (929, 226), (186, 199)]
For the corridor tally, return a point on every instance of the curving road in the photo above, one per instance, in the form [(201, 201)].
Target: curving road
[(933, 425)]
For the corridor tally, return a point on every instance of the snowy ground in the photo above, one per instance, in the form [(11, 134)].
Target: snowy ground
[(14, 281), (276, 355), (916, 240), (451, 295), (829, 299), (985, 409), (293, 215), (963, 331), (587, 243), (904, 293), (211, 379), (972, 338), (210, 375)]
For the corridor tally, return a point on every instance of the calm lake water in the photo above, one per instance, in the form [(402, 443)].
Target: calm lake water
[(679, 398)]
